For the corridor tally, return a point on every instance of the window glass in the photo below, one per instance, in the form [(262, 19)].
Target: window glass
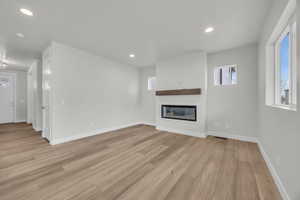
[(225, 75), (284, 70)]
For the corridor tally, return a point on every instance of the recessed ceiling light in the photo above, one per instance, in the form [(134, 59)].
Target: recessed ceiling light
[(26, 11), (21, 35), (131, 55), (209, 29)]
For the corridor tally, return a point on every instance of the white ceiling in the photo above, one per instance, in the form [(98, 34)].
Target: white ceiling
[(151, 29)]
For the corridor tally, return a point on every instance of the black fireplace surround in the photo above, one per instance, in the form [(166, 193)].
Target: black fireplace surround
[(179, 112)]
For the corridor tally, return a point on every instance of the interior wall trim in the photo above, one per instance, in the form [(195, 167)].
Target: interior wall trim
[(92, 133), (182, 131), (274, 173), (232, 136)]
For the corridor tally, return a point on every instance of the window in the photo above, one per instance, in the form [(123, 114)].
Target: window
[(283, 70), (151, 83), (281, 78), (225, 75)]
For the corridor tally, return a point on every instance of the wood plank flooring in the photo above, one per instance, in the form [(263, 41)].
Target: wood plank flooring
[(136, 163)]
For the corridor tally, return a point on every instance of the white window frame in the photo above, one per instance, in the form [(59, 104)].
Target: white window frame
[(286, 24)]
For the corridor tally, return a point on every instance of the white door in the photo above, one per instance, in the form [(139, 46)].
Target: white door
[(46, 95), (6, 98)]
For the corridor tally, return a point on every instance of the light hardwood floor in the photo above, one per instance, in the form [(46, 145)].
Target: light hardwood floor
[(136, 163)]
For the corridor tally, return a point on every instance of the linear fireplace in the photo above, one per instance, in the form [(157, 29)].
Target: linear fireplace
[(179, 112)]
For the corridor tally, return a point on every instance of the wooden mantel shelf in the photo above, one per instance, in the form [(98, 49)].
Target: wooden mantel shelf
[(194, 91)]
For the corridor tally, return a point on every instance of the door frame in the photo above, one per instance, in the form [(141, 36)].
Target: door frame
[(46, 82), (14, 93)]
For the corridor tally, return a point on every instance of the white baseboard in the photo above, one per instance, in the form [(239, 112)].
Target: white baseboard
[(232, 136), (20, 121), (148, 123), (274, 173), (95, 132), (37, 129), (182, 132)]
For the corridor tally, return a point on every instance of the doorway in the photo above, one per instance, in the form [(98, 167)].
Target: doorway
[(8, 97)]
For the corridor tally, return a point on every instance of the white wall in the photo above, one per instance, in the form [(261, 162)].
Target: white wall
[(21, 94), (147, 97), (232, 110), (279, 129), (183, 72), (91, 93)]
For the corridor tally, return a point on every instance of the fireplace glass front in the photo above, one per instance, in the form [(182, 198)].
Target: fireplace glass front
[(179, 112)]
